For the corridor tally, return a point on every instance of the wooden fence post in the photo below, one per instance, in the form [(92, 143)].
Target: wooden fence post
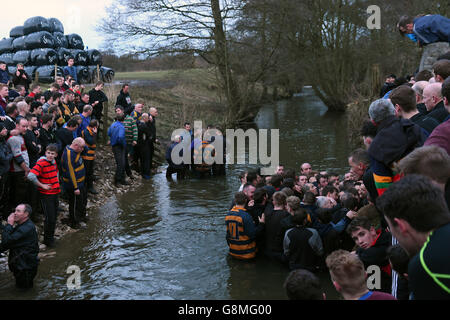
[(98, 72)]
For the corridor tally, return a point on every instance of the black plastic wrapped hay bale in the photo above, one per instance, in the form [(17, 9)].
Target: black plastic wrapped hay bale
[(6, 45), (7, 58), (83, 74), (93, 74), (23, 57), (30, 70), (60, 40), (11, 70), (94, 57), (16, 32), (80, 56), (75, 41), (107, 74), (19, 43), (56, 25), (36, 24), (47, 73), (63, 56), (42, 39), (42, 57)]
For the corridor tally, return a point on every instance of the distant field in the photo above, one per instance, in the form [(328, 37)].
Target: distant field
[(165, 75)]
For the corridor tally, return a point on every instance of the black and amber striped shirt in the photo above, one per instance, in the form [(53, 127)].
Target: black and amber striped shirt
[(73, 171), (89, 137), (241, 234)]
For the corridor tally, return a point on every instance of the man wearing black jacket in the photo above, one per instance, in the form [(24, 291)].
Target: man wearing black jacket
[(433, 99), (274, 232), (96, 99), (124, 99), (20, 77), (46, 133), (22, 242), (144, 141), (31, 140), (153, 114), (64, 136)]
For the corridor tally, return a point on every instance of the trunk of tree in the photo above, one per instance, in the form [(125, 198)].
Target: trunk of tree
[(222, 62)]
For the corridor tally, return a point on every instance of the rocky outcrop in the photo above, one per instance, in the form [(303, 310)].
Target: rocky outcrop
[(430, 54)]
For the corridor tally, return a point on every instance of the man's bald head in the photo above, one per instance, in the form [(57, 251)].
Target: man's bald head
[(432, 95), (153, 112)]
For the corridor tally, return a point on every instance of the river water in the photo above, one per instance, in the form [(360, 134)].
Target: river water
[(167, 240)]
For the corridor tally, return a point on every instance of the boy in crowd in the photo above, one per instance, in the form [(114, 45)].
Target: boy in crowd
[(302, 246), (349, 277), (372, 247), (45, 176)]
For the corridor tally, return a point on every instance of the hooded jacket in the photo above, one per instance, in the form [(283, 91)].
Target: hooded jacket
[(395, 139)]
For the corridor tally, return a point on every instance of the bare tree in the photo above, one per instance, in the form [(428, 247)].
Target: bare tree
[(199, 27)]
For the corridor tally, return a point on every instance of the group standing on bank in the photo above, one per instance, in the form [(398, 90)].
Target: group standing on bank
[(48, 144)]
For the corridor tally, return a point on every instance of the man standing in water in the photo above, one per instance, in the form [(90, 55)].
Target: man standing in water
[(153, 113), (20, 237), (241, 231)]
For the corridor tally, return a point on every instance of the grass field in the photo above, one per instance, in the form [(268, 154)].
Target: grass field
[(197, 75), (192, 96)]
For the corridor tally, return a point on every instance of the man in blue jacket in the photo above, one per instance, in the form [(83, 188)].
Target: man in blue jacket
[(4, 75), (118, 142), (70, 69), (425, 29)]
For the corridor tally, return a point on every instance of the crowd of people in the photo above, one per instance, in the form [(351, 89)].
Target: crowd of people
[(390, 211), (48, 144)]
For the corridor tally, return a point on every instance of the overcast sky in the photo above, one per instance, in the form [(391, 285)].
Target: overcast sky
[(77, 16)]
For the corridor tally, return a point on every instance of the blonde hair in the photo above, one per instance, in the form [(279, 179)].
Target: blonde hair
[(293, 202), (347, 270)]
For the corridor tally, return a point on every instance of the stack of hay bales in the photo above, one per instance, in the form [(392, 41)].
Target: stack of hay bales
[(40, 44)]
